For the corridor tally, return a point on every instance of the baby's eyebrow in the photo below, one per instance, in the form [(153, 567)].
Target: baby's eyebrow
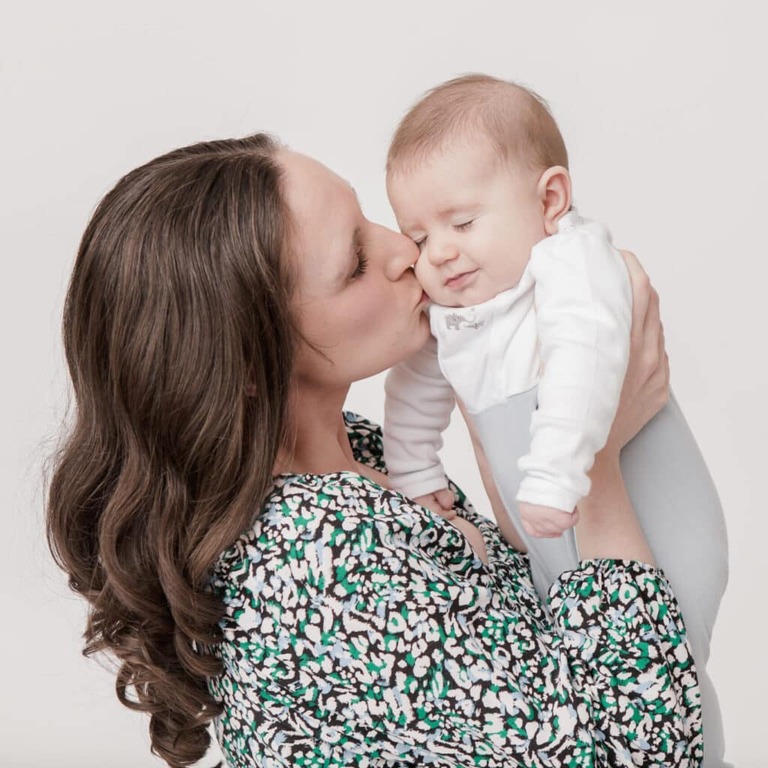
[(454, 209)]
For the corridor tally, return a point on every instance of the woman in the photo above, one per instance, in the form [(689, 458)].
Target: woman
[(234, 533)]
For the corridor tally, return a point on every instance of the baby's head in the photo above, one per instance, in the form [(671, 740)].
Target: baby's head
[(477, 175)]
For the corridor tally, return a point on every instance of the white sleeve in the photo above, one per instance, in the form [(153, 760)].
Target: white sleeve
[(583, 301), (418, 407)]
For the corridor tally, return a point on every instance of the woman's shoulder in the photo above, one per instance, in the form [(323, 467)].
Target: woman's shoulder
[(308, 517), (300, 509)]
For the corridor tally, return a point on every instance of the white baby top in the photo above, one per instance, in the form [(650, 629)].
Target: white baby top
[(564, 327)]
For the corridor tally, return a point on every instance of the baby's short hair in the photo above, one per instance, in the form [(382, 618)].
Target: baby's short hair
[(515, 119)]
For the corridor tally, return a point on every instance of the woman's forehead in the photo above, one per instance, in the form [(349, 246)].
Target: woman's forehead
[(310, 186), (314, 193), (325, 211)]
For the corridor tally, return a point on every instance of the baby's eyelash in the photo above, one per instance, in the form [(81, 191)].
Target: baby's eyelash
[(420, 243), (362, 264), (464, 225)]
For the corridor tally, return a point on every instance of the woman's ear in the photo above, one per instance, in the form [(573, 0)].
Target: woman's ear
[(554, 191)]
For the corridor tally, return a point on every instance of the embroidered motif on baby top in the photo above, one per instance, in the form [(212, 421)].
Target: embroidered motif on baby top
[(455, 321)]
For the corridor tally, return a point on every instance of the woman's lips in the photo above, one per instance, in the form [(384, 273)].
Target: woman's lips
[(423, 301), (460, 281)]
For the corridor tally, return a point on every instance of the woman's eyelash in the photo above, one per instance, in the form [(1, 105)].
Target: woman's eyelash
[(362, 264)]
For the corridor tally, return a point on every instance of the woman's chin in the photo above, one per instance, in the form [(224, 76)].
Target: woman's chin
[(421, 335)]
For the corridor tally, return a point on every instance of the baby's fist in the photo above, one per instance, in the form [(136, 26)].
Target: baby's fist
[(440, 502), (546, 522)]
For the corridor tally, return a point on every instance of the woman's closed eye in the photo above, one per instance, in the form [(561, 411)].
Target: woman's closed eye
[(362, 264)]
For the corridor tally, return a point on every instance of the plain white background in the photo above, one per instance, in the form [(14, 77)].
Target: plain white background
[(663, 106)]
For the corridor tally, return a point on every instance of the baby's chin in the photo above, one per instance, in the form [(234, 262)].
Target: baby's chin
[(461, 299), (438, 297)]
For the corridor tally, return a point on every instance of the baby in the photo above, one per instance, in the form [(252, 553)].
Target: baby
[(524, 293), (530, 316)]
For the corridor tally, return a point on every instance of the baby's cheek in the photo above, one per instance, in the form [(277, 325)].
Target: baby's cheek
[(425, 274)]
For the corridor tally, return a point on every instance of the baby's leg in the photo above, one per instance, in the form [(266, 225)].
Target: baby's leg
[(677, 506), (504, 435)]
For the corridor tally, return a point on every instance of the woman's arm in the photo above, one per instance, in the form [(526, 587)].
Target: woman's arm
[(608, 526)]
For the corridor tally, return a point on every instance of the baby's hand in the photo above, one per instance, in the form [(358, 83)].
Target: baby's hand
[(546, 522), (440, 502)]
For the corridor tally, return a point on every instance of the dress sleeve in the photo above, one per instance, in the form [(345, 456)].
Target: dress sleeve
[(583, 301), (397, 650), (418, 405)]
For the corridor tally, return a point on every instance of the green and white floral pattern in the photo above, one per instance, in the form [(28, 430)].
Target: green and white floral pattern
[(362, 630)]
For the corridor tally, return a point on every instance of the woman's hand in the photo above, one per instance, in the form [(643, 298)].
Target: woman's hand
[(646, 384)]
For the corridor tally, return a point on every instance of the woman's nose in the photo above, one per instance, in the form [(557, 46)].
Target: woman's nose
[(403, 254)]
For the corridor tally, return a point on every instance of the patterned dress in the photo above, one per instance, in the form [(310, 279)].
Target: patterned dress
[(362, 630)]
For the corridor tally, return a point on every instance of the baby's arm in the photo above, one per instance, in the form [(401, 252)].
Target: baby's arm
[(418, 407), (583, 313)]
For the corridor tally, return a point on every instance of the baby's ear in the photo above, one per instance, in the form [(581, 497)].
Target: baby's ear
[(554, 191)]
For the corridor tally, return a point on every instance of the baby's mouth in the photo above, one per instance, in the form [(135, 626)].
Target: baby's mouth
[(460, 280)]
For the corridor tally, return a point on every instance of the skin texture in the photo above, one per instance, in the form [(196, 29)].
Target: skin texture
[(367, 321)]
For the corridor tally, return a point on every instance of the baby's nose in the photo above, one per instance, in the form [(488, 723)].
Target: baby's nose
[(440, 250)]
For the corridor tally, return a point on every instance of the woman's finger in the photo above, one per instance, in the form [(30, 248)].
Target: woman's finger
[(652, 320), (652, 339), (640, 292)]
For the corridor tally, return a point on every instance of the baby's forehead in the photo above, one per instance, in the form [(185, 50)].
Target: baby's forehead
[(474, 151), (468, 160), (453, 143)]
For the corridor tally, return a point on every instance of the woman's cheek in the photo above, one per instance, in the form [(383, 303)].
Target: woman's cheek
[(371, 317)]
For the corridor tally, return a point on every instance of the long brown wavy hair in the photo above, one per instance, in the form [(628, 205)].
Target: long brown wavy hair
[(180, 345)]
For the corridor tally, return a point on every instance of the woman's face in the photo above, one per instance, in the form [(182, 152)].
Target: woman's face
[(357, 298)]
